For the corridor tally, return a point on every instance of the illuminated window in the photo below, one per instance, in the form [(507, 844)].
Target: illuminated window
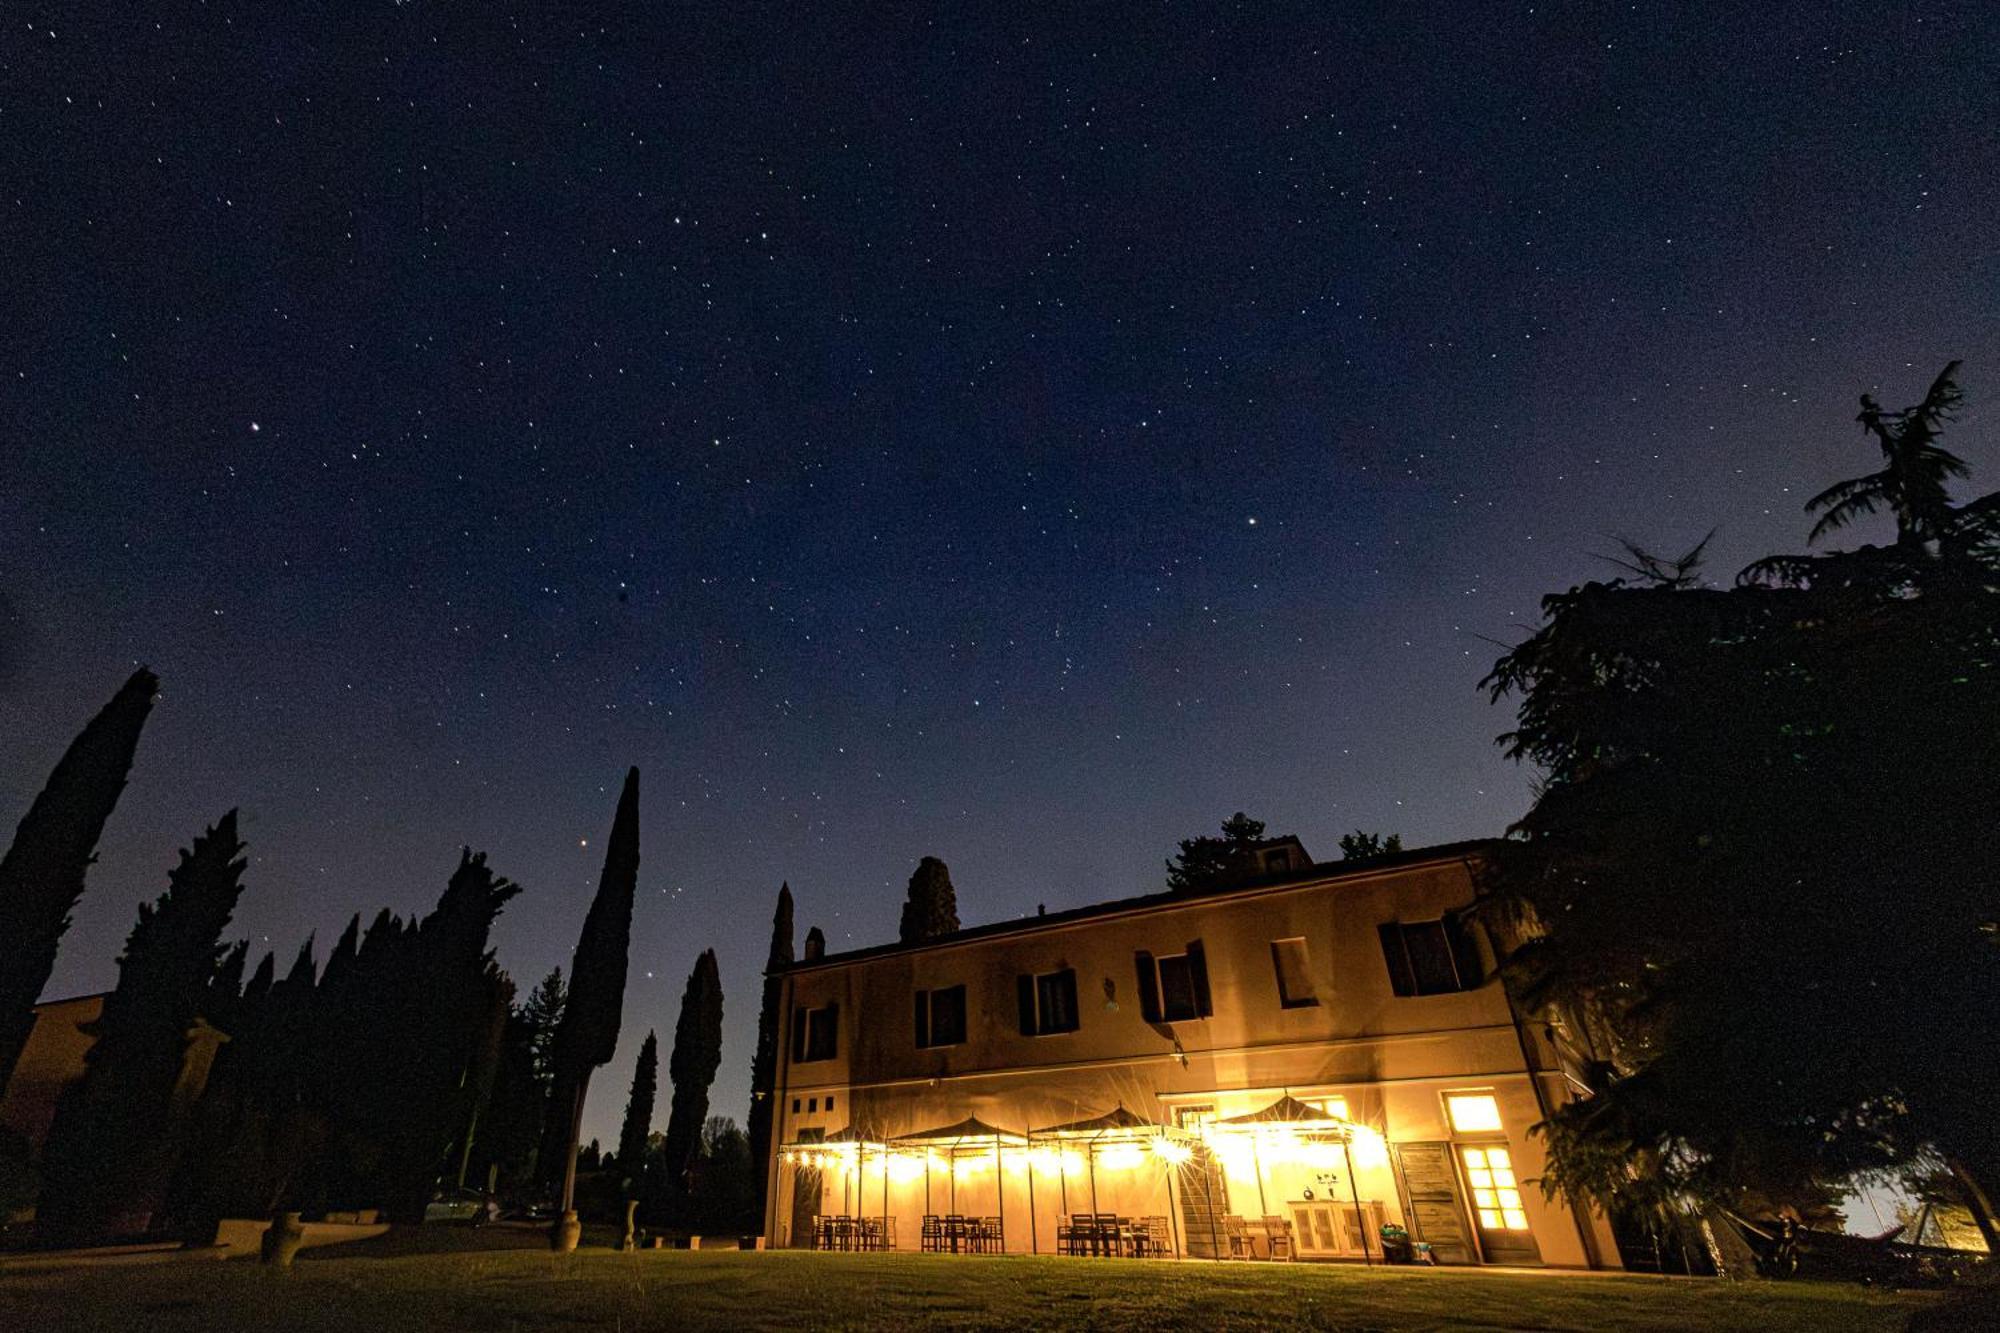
[(1496, 1197), (1295, 988), (1473, 1113)]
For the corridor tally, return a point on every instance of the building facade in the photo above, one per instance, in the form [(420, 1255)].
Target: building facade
[(1313, 1054)]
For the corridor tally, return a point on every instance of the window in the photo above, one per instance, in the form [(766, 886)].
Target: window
[(941, 1016), (829, 1102), (1333, 1106), (815, 1033), (1174, 988), (1295, 988), (1495, 1195), (795, 1106), (1473, 1112), (1048, 1002), (812, 1106), (1430, 957)]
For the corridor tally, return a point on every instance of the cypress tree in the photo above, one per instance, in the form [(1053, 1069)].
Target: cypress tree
[(111, 1150), (41, 876), (931, 909), (638, 1126), (588, 1034), (764, 1061), (697, 1053)]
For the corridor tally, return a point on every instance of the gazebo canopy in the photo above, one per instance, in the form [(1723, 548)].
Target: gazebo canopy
[(969, 1131), (1115, 1123), (1289, 1112)]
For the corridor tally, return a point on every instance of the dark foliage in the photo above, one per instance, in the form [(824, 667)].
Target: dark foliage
[(697, 1053), (1359, 846), (931, 909), (764, 1060), (638, 1126), (587, 1035), (1757, 887), (1209, 862), (117, 1131), (41, 877)]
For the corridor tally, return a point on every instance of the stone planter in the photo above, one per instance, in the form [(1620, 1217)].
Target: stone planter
[(281, 1241), (564, 1232)]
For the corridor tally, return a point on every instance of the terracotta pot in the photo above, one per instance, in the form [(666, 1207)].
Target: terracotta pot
[(564, 1232), (282, 1239)]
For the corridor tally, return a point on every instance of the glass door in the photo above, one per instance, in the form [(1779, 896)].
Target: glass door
[(1496, 1205)]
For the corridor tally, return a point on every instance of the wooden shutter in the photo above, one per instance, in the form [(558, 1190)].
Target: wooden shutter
[(1149, 986), (1024, 992), (923, 1018), (832, 1031), (798, 1035), (1398, 959), (1464, 940), (1198, 974)]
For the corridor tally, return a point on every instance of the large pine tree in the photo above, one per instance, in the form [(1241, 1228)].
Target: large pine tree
[(697, 1053), (764, 1061), (638, 1126), (931, 910), (41, 876), (112, 1148), (587, 1037)]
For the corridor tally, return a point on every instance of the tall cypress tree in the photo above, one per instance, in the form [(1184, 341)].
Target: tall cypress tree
[(112, 1147), (764, 1061), (41, 877), (697, 1053), (931, 910), (588, 1034), (638, 1126)]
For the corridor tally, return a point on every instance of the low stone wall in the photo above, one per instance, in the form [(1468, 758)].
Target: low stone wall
[(238, 1236)]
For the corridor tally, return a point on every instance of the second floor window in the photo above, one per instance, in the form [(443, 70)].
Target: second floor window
[(1295, 988), (941, 1016), (1431, 957), (1173, 988), (1048, 1002), (815, 1033)]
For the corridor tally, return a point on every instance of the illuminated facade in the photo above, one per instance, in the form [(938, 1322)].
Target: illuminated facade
[(1324, 1048)]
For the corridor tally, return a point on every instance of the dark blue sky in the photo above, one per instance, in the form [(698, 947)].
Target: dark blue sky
[(1023, 440)]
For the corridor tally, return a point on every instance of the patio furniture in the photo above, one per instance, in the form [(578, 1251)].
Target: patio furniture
[(987, 1236), (957, 1233), (932, 1236), (1279, 1237), (1156, 1239), (1237, 1232)]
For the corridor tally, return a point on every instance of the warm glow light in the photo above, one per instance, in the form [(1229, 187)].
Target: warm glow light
[(1174, 1154), (1121, 1156), (1473, 1113), (1370, 1149), (904, 1169)]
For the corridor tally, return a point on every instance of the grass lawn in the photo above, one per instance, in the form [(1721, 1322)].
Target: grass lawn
[(384, 1287)]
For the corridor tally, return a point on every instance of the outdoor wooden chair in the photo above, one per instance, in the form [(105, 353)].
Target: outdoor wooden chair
[(1280, 1233), (932, 1234), (1158, 1238), (1238, 1232)]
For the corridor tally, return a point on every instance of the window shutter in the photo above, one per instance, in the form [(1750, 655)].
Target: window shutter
[(923, 1018), (1198, 973), (832, 1031), (1024, 991), (1149, 987), (798, 1035), (1400, 979), (1464, 950)]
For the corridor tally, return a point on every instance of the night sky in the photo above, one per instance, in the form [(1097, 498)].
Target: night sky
[(1023, 440)]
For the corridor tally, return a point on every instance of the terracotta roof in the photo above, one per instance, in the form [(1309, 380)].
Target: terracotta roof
[(1325, 870)]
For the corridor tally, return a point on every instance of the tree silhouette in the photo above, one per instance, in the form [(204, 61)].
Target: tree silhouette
[(112, 1148), (588, 1033), (1766, 813), (41, 876), (543, 1015), (764, 1061), (1207, 862), (697, 1053), (1359, 846), (931, 909), (638, 1126)]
